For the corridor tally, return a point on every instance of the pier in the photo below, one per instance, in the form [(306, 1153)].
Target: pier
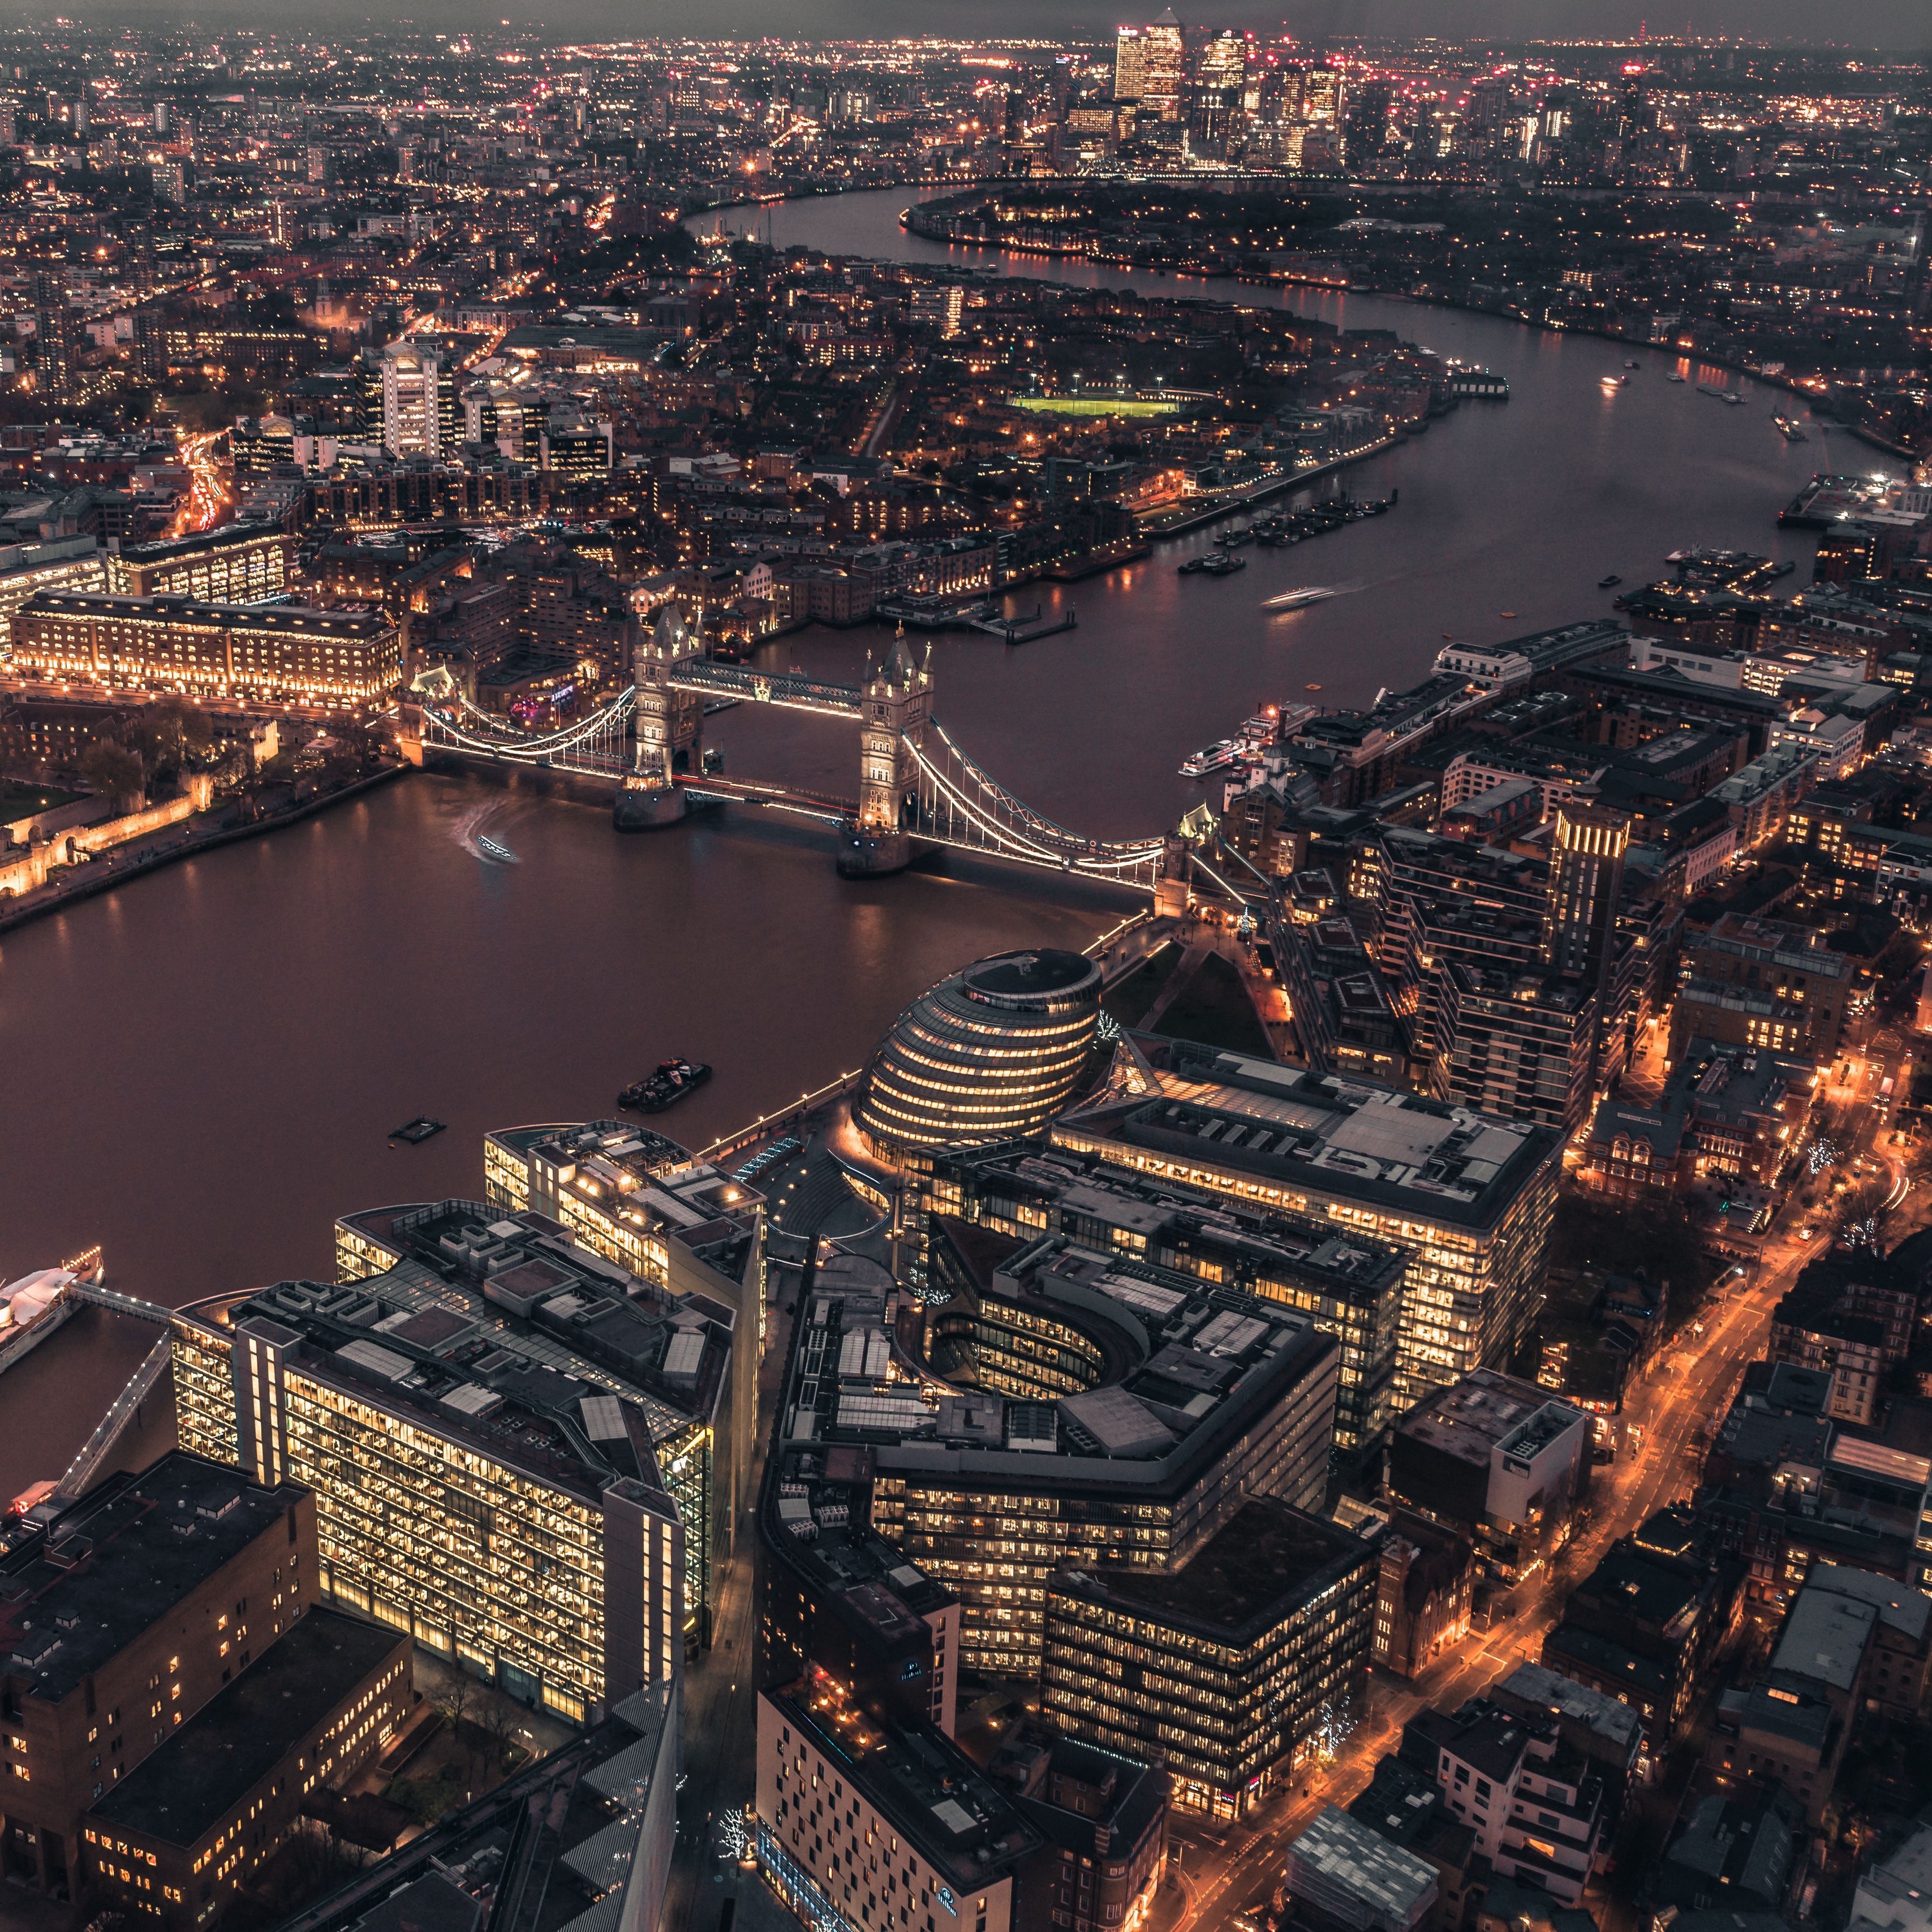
[(1028, 630)]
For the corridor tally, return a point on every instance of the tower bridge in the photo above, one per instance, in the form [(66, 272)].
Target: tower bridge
[(916, 786)]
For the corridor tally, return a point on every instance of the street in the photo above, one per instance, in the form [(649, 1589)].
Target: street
[(1215, 1869), (1225, 1868)]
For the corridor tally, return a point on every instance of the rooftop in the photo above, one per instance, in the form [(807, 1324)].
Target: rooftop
[(223, 536), (101, 1571), (1266, 1562), (1900, 1607), (1181, 1367), (495, 1329), (1326, 1134), (1339, 1855), (1090, 1199), (185, 1790), (1485, 1413), (643, 1180), (963, 1823), (1563, 1698), (1825, 1635)]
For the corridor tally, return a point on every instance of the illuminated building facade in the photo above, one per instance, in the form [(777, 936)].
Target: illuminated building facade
[(1586, 870), (169, 643), (1349, 1285), (991, 1053), (65, 563), (119, 1622), (678, 1223), (183, 1837), (1468, 1197), (1129, 64), (509, 1439), (234, 563), (871, 1824), (1231, 1672), (1041, 1405), (1163, 66), (413, 384), (1497, 1461)]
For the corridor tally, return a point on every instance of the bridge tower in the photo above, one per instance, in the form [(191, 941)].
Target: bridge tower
[(896, 708), (669, 723)]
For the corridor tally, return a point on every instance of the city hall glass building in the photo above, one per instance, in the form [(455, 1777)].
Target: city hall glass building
[(991, 1052)]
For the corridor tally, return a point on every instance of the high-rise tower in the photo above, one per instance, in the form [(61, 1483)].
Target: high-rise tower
[(1586, 872), (1163, 66)]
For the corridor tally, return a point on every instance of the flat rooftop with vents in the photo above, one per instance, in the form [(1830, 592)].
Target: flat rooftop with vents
[(182, 1791), (1324, 1133), (83, 1582)]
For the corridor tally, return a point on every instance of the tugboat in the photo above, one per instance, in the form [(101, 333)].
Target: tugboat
[(1606, 582), (673, 1080), (1226, 565)]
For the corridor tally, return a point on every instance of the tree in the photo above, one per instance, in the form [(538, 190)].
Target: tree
[(458, 1695), (109, 768), (499, 1721)]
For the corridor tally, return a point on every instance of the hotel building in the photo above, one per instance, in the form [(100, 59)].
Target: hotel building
[(868, 1824), (1468, 1197), (1230, 1672), (278, 651), (509, 1439)]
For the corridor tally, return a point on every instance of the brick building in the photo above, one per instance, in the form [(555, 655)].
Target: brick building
[(183, 1835), (120, 1616)]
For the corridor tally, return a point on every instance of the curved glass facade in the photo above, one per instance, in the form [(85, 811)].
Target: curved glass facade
[(991, 1053)]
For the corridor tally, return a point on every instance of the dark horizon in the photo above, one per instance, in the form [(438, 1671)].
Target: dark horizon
[(1892, 26)]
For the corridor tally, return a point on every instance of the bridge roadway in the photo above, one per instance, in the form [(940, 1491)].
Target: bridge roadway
[(951, 800), (704, 787)]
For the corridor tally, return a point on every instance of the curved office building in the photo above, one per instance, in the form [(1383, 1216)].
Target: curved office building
[(990, 1053)]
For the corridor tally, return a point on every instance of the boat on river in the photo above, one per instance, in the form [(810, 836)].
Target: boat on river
[(672, 1081)]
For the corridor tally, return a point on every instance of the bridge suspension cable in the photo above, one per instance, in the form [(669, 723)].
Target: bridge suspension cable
[(995, 819), (1002, 802), (511, 743), (960, 803)]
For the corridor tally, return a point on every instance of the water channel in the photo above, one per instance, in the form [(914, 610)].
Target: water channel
[(200, 1069)]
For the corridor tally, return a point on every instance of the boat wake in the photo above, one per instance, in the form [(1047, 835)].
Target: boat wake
[(1288, 600), (469, 832)]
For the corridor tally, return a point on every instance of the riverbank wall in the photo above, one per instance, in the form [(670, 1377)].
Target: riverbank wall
[(88, 885)]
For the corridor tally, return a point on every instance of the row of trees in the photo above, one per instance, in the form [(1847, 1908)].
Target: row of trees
[(148, 751)]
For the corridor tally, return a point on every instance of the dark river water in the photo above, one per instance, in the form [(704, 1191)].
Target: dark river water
[(198, 1070)]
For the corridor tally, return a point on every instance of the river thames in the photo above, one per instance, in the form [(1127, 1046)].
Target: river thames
[(202, 1067)]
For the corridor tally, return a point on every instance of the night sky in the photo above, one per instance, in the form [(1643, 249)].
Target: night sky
[(1889, 23)]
